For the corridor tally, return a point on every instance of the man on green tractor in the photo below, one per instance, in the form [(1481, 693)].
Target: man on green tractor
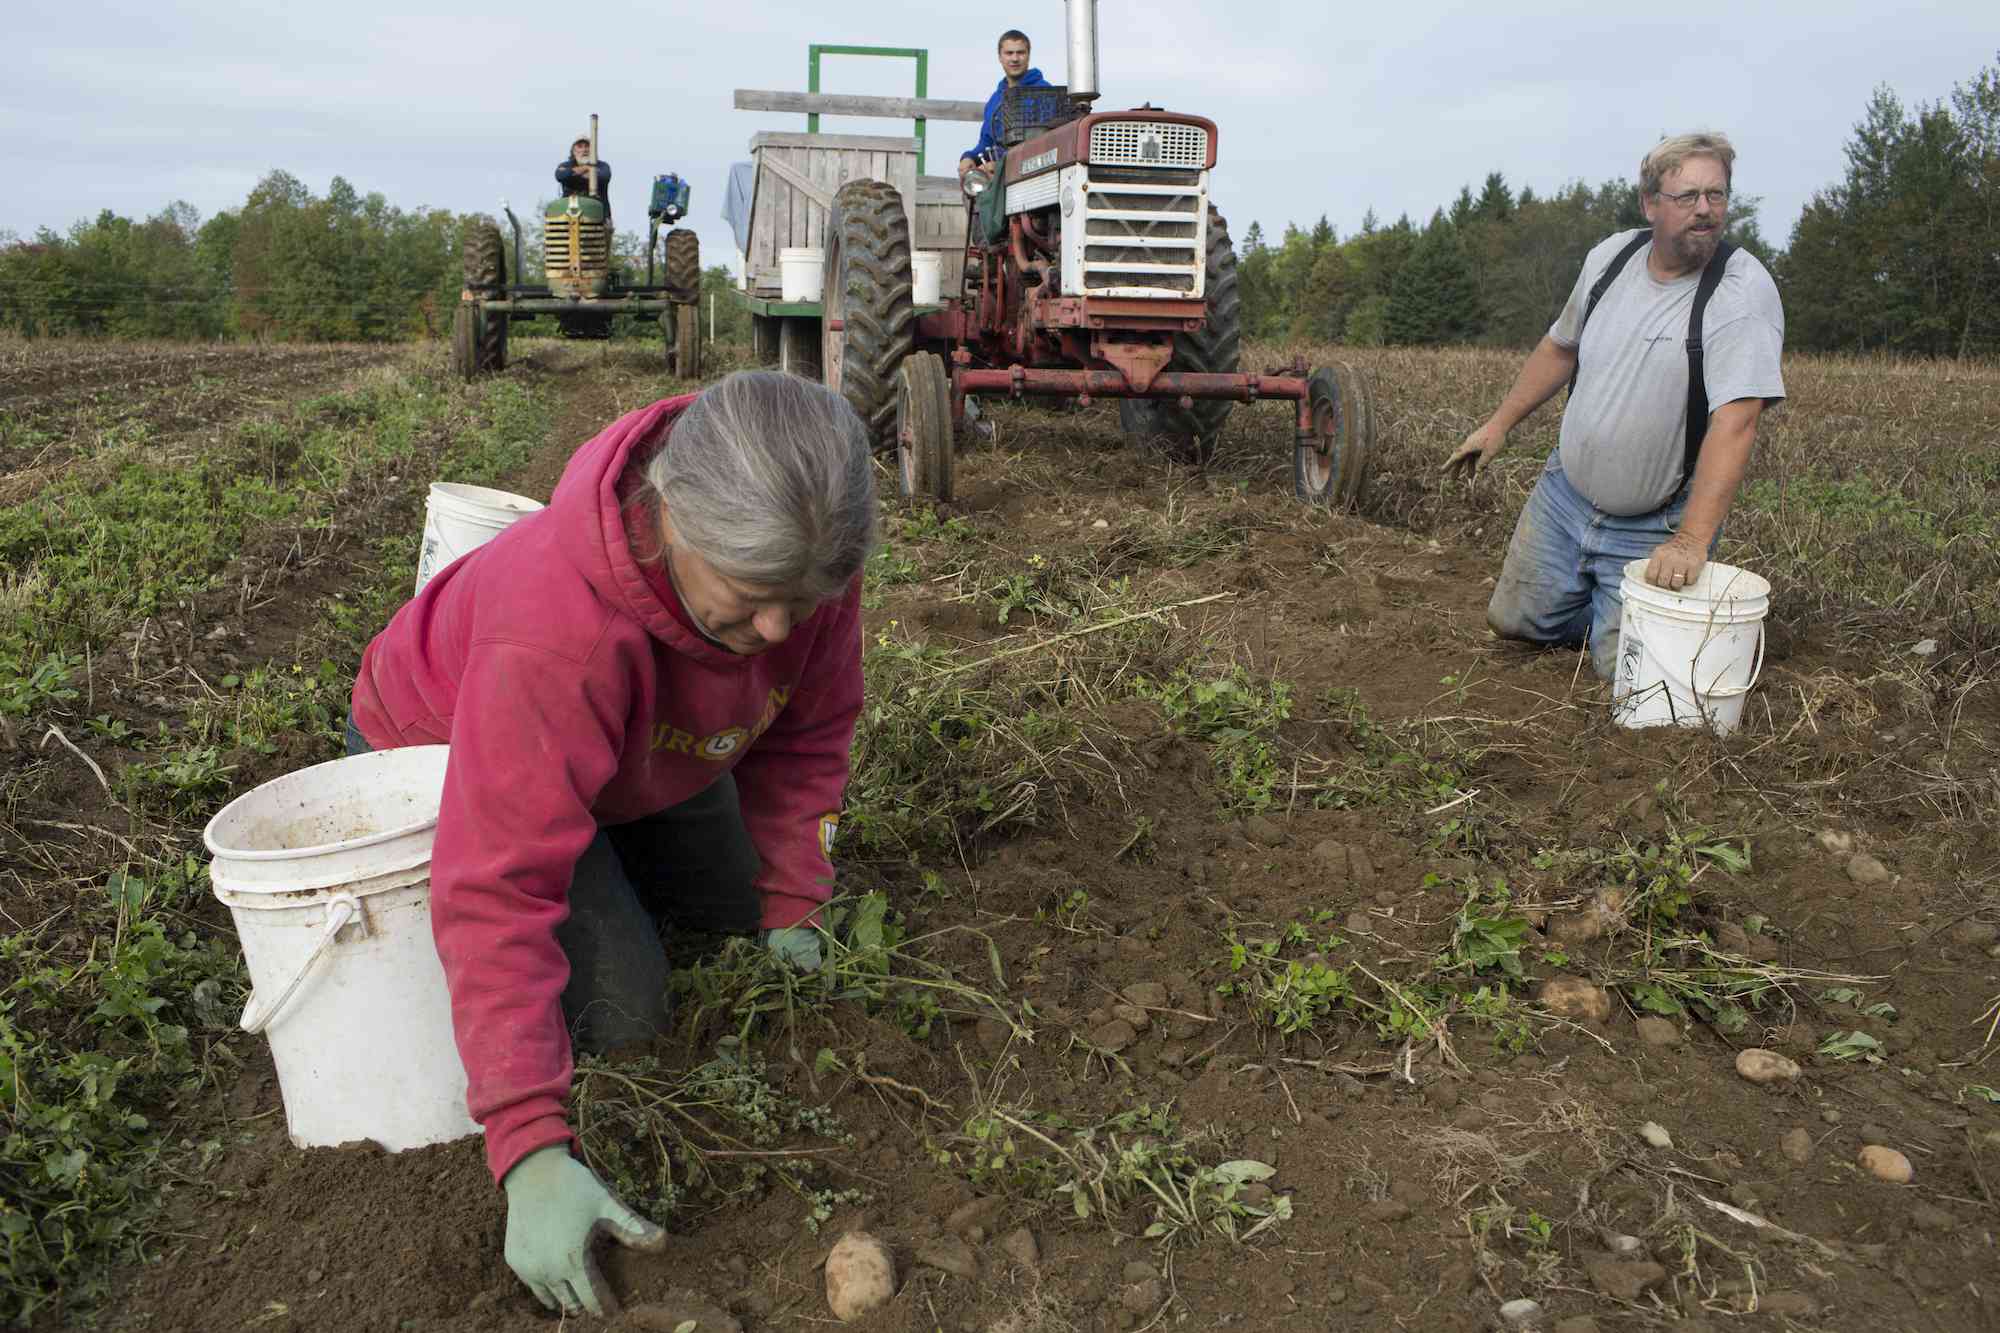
[(573, 174), (1014, 50)]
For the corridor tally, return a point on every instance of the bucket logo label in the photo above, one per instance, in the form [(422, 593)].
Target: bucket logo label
[(720, 746), (829, 825)]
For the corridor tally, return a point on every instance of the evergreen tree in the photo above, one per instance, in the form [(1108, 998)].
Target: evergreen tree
[(1903, 254), (1433, 300), (1464, 207), (1256, 286)]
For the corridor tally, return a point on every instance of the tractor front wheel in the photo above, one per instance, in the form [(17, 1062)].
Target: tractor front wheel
[(1190, 434), (1330, 466), (867, 315), (923, 428)]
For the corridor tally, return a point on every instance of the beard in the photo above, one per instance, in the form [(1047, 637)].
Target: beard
[(1696, 244)]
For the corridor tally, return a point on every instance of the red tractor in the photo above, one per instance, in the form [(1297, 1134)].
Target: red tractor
[(1095, 267)]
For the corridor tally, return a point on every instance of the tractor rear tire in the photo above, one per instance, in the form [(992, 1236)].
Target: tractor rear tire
[(923, 428), (683, 265), (490, 336), (1189, 435), (1330, 467), (483, 256), (868, 315)]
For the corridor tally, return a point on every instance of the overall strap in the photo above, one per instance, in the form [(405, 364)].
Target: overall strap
[(1597, 290), (1697, 410)]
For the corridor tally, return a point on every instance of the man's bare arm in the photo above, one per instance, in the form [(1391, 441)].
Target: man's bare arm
[(1547, 369), (1725, 455)]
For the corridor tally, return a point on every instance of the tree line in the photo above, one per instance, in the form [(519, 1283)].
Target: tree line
[(1901, 255), (288, 265)]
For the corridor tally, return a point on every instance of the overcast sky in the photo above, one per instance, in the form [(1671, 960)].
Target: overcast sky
[(1323, 108)]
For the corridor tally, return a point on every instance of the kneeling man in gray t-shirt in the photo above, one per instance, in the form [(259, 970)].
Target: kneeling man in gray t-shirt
[(1650, 456)]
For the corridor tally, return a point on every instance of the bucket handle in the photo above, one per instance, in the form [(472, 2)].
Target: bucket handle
[(340, 909), (1731, 691)]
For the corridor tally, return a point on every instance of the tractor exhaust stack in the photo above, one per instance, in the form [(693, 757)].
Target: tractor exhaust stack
[(1082, 50), (593, 154)]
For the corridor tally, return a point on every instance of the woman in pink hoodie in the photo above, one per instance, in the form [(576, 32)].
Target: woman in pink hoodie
[(649, 689)]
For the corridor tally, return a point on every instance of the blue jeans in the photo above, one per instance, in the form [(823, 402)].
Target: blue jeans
[(1562, 582), (692, 864)]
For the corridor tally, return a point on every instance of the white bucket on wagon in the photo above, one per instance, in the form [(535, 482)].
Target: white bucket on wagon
[(459, 518), (926, 277), (801, 273), (1689, 657), (326, 872)]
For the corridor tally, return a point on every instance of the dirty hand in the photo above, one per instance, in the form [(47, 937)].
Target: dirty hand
[(1676, 564), (797, 945), (1477, 451), (555, 1207)]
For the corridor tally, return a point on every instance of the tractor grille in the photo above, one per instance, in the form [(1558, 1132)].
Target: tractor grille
[(572, 243), (1148, 143), (1143, 239)]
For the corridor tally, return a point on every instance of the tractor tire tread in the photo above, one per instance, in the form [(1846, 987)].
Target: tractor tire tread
[(683, 265), (877, 302)]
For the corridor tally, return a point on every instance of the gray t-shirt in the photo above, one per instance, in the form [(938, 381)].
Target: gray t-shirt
[(1624, 431)]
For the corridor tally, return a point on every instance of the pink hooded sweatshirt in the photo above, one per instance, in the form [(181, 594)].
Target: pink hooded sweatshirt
[(573, 696)]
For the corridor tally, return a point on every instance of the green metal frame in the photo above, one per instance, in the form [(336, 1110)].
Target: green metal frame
[(916, 53)]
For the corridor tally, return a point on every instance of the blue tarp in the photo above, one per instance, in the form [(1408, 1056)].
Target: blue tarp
[(736, 201)]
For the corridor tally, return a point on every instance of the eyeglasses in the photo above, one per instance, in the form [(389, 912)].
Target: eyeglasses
[(1686, 198)]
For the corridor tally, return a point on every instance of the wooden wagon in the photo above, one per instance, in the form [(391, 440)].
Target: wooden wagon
[(795, 176)]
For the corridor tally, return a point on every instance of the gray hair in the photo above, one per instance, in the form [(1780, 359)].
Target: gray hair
[(768, 477), (1669, 154)]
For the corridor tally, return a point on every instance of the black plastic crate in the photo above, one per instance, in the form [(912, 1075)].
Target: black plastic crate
[(1026, 112)]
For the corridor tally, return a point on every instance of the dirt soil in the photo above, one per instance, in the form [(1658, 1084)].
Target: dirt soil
[(1392, 1154)]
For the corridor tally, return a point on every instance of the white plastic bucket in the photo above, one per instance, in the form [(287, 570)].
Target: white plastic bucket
[(1689, 657), (327, 874), (459, 518), (926, 276), (800, 272)]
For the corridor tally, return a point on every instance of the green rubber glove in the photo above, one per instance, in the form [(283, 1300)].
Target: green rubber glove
[(555, 1207), (797, 945)]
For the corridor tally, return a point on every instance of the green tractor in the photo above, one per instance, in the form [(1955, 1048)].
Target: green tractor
[(581, 288)]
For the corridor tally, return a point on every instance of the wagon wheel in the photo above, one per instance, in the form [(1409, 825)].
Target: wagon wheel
[(1189, 435), (867, 317), (1330, 465), (923, 428), (798, 345), (683, 265), (687, 341), (464, 345), (764, 339)]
